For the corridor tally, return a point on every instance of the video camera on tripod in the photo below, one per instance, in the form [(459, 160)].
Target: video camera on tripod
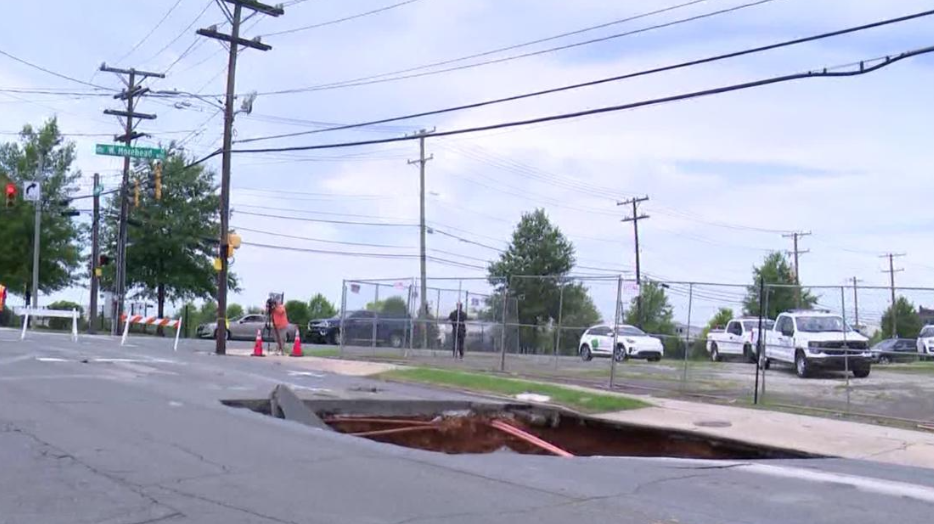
[(271, 302)]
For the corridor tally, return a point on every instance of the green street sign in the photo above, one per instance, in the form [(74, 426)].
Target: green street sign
[(130, 151)]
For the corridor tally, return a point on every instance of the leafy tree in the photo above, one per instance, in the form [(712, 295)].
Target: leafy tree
[(719, 320), (578, 312), (234, 311), (297, 310), (320, 307), (171, 251), (64, 305), (60, 237), (907, 321), (254, 310), (657, 314), (775, 269), (395, 306), (537, 248)]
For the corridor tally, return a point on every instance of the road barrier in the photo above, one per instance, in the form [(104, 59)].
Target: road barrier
[(49, 313), (151, 321)]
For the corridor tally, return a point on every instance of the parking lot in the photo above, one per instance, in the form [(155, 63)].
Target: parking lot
[(902, 391)]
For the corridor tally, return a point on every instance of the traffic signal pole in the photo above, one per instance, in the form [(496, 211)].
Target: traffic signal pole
[(37, 225), (95, 253)]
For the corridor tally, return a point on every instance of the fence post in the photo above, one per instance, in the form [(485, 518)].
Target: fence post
[(375, 318), (760, 342), (502, 336), (340, 348), (409, 331), (846, 347), (687, 344), (619, 292), (768, 293), (560, 315)]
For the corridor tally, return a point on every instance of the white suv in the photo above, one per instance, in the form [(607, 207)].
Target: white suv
[(631, 342), (926, 341), (811, 339)]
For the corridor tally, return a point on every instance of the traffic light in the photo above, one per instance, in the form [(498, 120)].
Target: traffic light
[(233, 243), (103, 260), (10, 194), (157, 171), (136, 194)]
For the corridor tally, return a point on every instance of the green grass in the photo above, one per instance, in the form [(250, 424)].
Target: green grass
[(581, 400), (913, 367), (322, 352)]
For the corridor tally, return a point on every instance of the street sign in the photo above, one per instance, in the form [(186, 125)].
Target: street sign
[(130, 151), (32, 192)]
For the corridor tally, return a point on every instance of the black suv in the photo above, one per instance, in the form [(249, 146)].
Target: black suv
[(362, 328)]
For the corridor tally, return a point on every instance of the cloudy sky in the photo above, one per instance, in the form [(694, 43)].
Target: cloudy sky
[(847, 159)]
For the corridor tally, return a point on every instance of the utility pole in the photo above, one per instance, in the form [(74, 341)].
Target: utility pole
[(635, 218), (37, 229), (234, 42), (856, 301), (891, 271), (795, 236), (423, 295), (133, 91), (95, 253)]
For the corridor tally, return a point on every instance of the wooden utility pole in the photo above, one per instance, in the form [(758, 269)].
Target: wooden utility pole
[(95, 253), (423, 293), (133, 91), (795, 236), (635, 218), (234, 42), (891, 271)]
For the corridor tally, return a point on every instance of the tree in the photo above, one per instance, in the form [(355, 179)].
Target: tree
[(171, 241), (320, 307), (907, 321), (255, 310), (234, 311), (64, 305), (60, 237), (578, 311), (395, 306), (719, 320), (775, 269), (657, 315), (541, 250), (297, 310)]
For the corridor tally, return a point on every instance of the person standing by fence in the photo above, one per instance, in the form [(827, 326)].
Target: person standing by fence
[(458, 319)]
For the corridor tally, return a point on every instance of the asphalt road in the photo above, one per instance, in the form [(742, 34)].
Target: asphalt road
[(893, 390), (94, 433)]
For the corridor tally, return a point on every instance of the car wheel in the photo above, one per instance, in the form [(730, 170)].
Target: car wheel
[(289, 338), (885, 359), (395, 340), (801, 365), (586, 355), (714, 353), (620, 354), (214, 335)]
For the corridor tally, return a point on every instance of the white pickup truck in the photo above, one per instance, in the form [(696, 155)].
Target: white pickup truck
[(739, 338), (810, 339)]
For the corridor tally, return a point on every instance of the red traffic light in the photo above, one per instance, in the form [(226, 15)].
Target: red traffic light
[(10, 189)]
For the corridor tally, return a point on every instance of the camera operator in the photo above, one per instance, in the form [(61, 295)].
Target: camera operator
[(280, 321)]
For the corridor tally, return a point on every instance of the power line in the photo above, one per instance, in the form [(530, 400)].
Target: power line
[(381, 78), (339, 20), (184, 32), (327, 221), (826, 73), (151, 31), (362, 254), (672, 67), (53, 73), (323, 241)]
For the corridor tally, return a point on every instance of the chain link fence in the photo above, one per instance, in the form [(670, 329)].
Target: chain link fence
[(840, 349)]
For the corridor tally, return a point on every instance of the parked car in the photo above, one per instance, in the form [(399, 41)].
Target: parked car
[(740, 337), (364, 328), (324, 330), (925, 343), (245, 328), (895, 350), (631, 342), (810, 339)]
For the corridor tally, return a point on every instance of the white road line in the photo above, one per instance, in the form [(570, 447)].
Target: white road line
[(14, 360), (52, 359), (306, 374), (867, 484)]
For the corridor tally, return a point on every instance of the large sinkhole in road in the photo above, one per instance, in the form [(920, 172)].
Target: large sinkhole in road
[(478, 427)]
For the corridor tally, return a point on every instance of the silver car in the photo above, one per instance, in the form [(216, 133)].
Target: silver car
[(245, 328)]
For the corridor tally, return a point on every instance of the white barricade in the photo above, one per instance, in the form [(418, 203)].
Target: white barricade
[(151, 321), (27, 312)]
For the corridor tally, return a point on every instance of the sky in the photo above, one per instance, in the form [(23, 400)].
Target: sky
[(847, 159)]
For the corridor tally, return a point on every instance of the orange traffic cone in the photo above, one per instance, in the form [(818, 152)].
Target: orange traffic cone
[(258, 345), (297, 348)]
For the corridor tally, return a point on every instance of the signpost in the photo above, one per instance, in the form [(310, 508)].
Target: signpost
[(32, 192), (130, 151)]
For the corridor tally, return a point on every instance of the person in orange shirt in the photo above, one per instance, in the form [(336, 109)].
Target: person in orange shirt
[(280, 321)]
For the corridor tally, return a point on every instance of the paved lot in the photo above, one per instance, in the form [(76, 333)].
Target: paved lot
[(894, 390), (92, 432)]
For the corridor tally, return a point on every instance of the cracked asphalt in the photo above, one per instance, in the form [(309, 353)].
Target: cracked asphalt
[(94, 433)]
